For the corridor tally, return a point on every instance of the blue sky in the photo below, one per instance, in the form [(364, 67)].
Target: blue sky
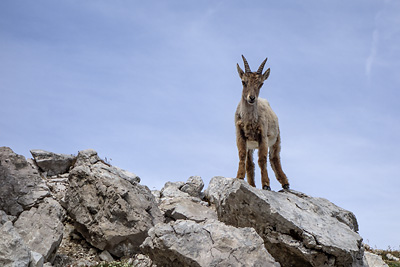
[(152, 85)]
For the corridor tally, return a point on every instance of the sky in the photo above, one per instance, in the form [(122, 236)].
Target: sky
[(152, 86)]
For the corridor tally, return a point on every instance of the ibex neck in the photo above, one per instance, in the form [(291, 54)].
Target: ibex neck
[(248, 112)]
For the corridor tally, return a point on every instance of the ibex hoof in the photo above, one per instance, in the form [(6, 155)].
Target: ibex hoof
[(285, 186), (266, 187)]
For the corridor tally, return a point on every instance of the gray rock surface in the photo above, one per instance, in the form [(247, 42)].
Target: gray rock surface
[(173, 190), (178, 204), (186, 209), (21, 186), (111, 212), (37, 260), (13, 251), (106, 256), (42, 228), (211, 243), (298, 230), (140, 260), (52, 163), (5, 218), (193, 186), (373, 260)]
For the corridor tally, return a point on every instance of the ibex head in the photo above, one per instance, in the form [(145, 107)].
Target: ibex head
[(252, 81)]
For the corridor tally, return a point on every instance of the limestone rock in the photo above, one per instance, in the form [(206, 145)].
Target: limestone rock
[(37, 259), (58, 186), (211, 243), (186, 209), (373, 260), (193, 186), (140, 260), (110, 210), (5, 218), (21, 186), (52, 163), (181, 200), (391, 257), (298, 230), (106, 256), (42, 228), (13, 251), (172, 190)]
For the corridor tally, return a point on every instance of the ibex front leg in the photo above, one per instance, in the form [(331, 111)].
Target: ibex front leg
[(241, 144), (250, 167), (262, 162)]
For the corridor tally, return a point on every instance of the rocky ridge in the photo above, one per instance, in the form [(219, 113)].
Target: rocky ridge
[(66, 210)]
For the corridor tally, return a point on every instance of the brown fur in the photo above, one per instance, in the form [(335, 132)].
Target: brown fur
[(257, 128)]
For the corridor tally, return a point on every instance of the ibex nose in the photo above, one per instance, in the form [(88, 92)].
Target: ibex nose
[(252, 98)]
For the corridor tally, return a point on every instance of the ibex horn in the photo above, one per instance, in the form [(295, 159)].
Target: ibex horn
[(246, 65), (260, 69)]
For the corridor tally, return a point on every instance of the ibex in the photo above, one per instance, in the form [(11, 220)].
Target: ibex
[(257, 128)]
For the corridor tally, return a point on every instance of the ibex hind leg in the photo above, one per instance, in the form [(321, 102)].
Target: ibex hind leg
[(250, 167), (275, 159)]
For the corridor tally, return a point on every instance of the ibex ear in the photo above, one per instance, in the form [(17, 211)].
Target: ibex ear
[(266, 74), (240, 71)]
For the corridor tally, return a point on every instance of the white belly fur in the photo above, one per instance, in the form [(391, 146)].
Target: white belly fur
[(252, 144)]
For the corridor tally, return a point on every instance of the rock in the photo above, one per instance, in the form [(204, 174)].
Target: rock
[(111, 211), (58, 186), (178, 204), (21, 186), (42, 228), (193, 186), (140, 260), (157, 195), (13, 251), (373, 260), (186, 209), (52, 163), (298, 230), (211, 243), (106, 256), (172, 190), (5, 218), (37, 259), (391, 257)]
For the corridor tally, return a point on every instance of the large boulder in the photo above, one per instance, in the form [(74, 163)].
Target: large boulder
[(21, 186), (210, 243), (52, 163), (110, 209), (298, 230), (42, 228)]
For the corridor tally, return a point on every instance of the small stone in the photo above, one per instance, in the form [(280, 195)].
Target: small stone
[(106, 256), (193, 186)]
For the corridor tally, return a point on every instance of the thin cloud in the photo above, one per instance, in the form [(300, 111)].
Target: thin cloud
[(372, 55)]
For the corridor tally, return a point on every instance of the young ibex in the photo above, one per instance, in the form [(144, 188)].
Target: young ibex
[(257, 128)]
